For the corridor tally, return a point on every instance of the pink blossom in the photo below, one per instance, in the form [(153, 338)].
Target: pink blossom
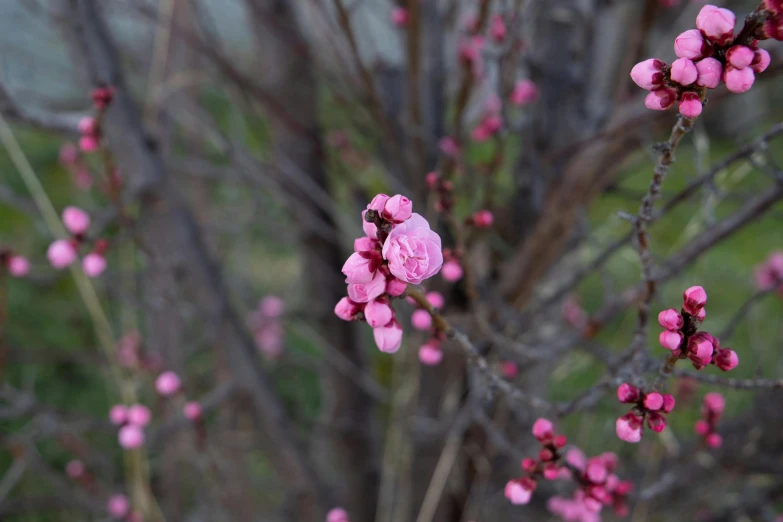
[(497, 28), (775, 6), (432, 180), (118, 414), (716, 24), (629, 428), (740, 56), (670, 319), (86, 125), (395, 287), (761, 60), (366, 292), (628, 393), (691, 45), (421, 319), (525, 92), (131, 437), (388, 337), (738, 80), (670, 340), (88, 144), (661, 99), (76, 220), (359, 269), (369, 228), (18, 266), (452, 271), (596, 471), (346, 309), (75, 469), (694, 299), (690, 105), (714, 440), (542, 429), (93, 264), (272, 306), (167, 383), (378, 312), (139, 415), (269, 339), (773, 27), (684, 71), (430, 354), (61, 254), (517, 492), (192, 410), (668, 403), (399, 16), (449, 146), (714, 403), (648, 74), (700, 349), (118, 506), (483, 219), (653, 401), (413, 251), (726, 359), (701, 315), (398, 209), (68, 154), (509, 369), (710, 73), (436, 299), (337, 515), (702, 427)]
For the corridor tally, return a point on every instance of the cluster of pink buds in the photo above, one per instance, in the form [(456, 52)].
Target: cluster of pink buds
[(652, 407), (267, 327), (548, 465), (681, 335), (491, 120), (599, 487), (337, 515), (480, 219), (711, 411), (705, 57), (16, 265), (430, 353), (769, 274), (399, 248), (524, 93), (63, 252), (132, 420), (90, 131)]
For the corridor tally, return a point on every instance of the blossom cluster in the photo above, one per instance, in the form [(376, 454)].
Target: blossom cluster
[(430, 353), (681, 336), (769, 274), (651, 407), (398, 249), (16, 265), (131, 421), (711, 411), (266, 326), (706, 56), (64, 252)]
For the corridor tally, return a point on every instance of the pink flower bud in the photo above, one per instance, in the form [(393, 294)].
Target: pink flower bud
[(366, 292), (710, 73), (388, 337), (449, 146), (525, 92), (726, 359), (395, 287), (738, 80), (430, 354), (739, 56), (346, 309), (398, 209), (551, 472), (691, 45), (694, 299), (628, 393), (684, 71), (367, 245), (690, 105), (714, 403), (192, 410), (700, 349), (653, 401), (701, 315), (775, 6), (629, 428), (509, 369), (369, 228), (167, 383), (670, 340), (93, 264), (272, 306), (761, 60), (497, 28), (76, 220), (529, 465), (773, 27), (480, 134), (592, 505), (701, 427), (18, 266), (451, 271), (139, 415), (714, 440), (542, 429), (118, 414), (596, 471), (648, 74), (337, 515), (668, 403), (88, 144), (483, 219), (517, 493), (359, 269), (717, 24), (661, 99), (435, 299), (86, 125), (74, 469), (130, 437), (118, 506), (432, 180), (378, 202), (670, 319), (421, 319), (656, 422), (61, 253), (399, 16), (68, 154), (378, 312)]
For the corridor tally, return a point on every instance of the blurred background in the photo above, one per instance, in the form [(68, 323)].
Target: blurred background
[(244, 140)]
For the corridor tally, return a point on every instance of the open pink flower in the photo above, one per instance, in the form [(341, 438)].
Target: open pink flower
[(413, 251), (518, 492)]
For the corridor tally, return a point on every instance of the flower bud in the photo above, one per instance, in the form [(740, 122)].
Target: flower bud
[(714, 404), (421, 319), (738, 80), (346, 309), (399, 16), (628, 393), (629, 428), (542, 429), (131, 437), (691, 45), (661, 99), (739, 56), (596, 471), (366, 292), (378, 312), (653, 401), (560, 441), (701, 315), (529, 465), (451, 271), (700, 349), (774, 6), (670, 340), (398, 209), (694, 299), (525, 92), (76, 220), (378, 203), (668, 403), (61, 254), (716, 24), (648, 74), (192, 410), (773, 27), (551, 472), (670, 319), (518, 492), (509, 369), (483, 219), (167, 383), (18, 266), (701, 427), (690, 105), (684, 71), (545, 455), (118, 414), (497, 28), (432, 180), (118, 506), (93, 264), (656, 422), (388, 337), (139, 415), (761, 60), (435, 299), (726, 359), (710, 73), (359, 269), (430, 354)]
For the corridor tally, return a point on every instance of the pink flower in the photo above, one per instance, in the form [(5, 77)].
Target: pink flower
[(656, 422), (452, 271), (480, 134), (366, 292), (773, 27), (449, 146), (497, 28), (436, 299), (714, 440), (716, 24), (369, 228), (714, 403), (167, 383), (76, 220), (74, 469), (670, 319), (430, 354), (432, 180), (272, 306), (337, 515), (628, 393), (192, 410), (653, 401), (691, 45), (139, 415), (710, 73), (86, 125), (525, 92), (395, 287), (118, 414), (509, 369), (93, 264), (629, 428), (346, 309), (668, 403), (690, 105), (61, 254), (738, 80), (775, 6), (88, 144), (694, 299), (269, 339), (388, 337), (700, 349), (684, 71), (378, 312), (740, 56), (542, 429), (421, 319), (483, 219), (118, 506), (399, 16), (596, 471), (398, 209), (760, 61), (360, 269), (131, 437), (701, 427), (648, 74), (413, 251), (670, 340), (726, 359), (661, 99), (18, 266), (517, 492), (68, 154)]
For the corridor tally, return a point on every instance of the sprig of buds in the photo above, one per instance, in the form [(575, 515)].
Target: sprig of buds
[(711, 412)]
